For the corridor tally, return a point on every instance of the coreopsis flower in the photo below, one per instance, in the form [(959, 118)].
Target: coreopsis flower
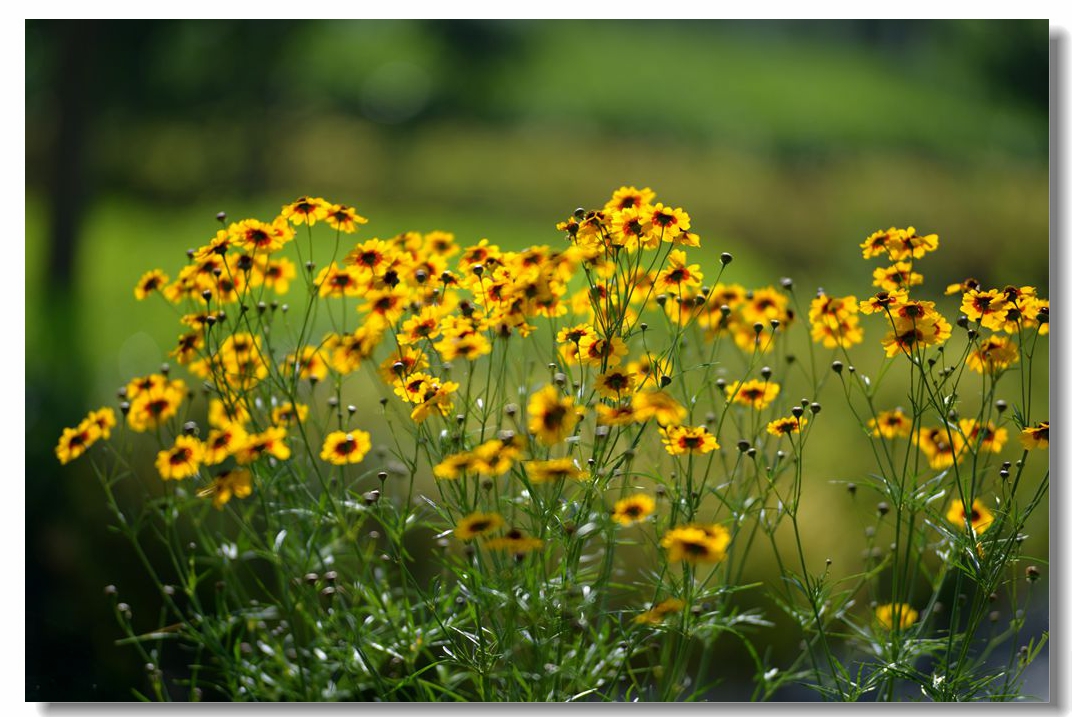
[(880, 242), (622, 415), (461, 337), (240, 362), (658, 613), (189, 347), (616, 383), (149, 409), (497, 456), (900, 614), (236, 483), (422, 325), (386, 305), (222, 413), (884, 302), (337, 281), (556, 469), (696, 543), (687, 439), (916, 325), (453, 466), (343, 447), (76, 441), (218, 245), (890, 424), (440, 243), (476, 525), (649, 370), (515, 542), (309, 364), (834, 321), (343, 218), (306, 210), (755, 393), (983, 436), (345, 352), (399, 364), (180, 461), (678, 274), (626, 197), (150, 281), (993, 354), (979, 517), (1037, 313), (986, 307), (633, 509), (569, 340), (968, 284), (434, 395), (668, 222), (483, 253), (763, 305), (911, 245), (898, 276), (289, 413), (659, 405), (271, 442), (941, 446), (223, 442), (371, 257), (276, 273), (259, 237), (632, 228), (604, 353), (1037, 436), (552, 417), (785, 426), (104, 419)]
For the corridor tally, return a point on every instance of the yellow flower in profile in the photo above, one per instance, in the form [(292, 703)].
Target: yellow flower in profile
[(688, 439), (900, 614), (237, 483), (987, 307), (1038, 436), (514, 542), (696, 543), (659, 405), (149, 282), (343, 447), (181, 460), (898, 276), (755, 393), (552, 418), (633, 509), (76, 441), (452, 467), (343, 218), (497, 456), (979, 517), (785, 426), (555, 469), (259, 237), (657, 613), (477, 524), (890, 424)]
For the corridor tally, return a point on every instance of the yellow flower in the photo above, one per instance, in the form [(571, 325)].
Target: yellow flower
[(289, 413), (633, 509), (659, 405), (834, 321), (891, 424), (755, 393), (477, 524), (987, 437), (900, 614), (342, 447), (979, 517), (150, 408), (1038, 436), (514, 542), (181, 460), (616, 383), (306, 210), (552, 418), (898, 276), (270, 442), (554, 470), (696, 543), (343, 218), (236, 483), (941, 446), (655, 615), (993, 354), (453, 466), (783, 426), (223, 442), (149, 282), (688, 439), (76, 441)]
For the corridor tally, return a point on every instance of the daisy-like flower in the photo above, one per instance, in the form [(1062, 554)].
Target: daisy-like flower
[(616, 383), (912, 245), (555, 469), (344, 219), (343, 447), (223, 442), (149, 409), (986, 436), (476, 525), (900, 614), (625, 197), (552, 418), (633, 509), (1038, 436), (181, 460), (979, 517), (659, 405), (880, 242), (785, 426), (150, 281), (334, 280), (696, 543), (941, 450), (994, 354), (306, 210), (678, 274), (898, 276), (309, 365), (497, 456), (834, 321), (270, 442), (259, 237), (452, 467), (289, 413), (668, 222), (987, 307), (604, 353), (658, 613), (514, 542), (755, 393), (891, 424), (76, 441), (237, 483), (688, 439)]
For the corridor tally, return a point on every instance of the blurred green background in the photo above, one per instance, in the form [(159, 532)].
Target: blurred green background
[(787, 142)]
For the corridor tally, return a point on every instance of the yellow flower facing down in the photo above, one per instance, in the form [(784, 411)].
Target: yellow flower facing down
[(633, 509), (755, 393), (900, 614), (979, 517), (476, 525), (1038, 436), (696, 543), (237, 483), (181, 460), (688, 439), (343, 447), (552, 418), (658, 613)]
